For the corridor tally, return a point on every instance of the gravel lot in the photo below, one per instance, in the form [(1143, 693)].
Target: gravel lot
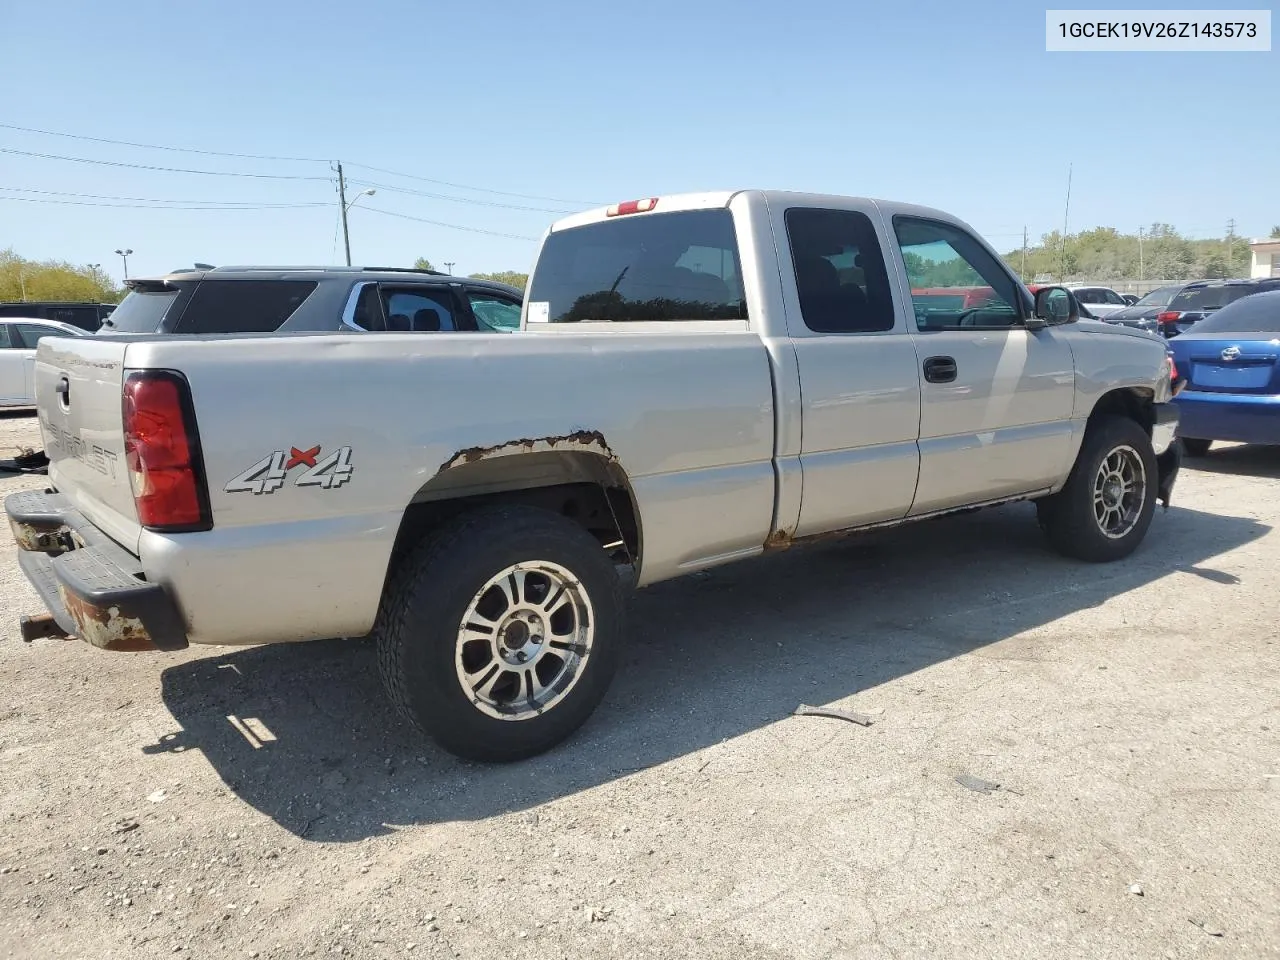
[(1130, 714)]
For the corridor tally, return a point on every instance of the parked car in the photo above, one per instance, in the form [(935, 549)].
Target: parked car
[(267, 299), (699, 379), (1129, 298), (1230, 364), (86, 316), (1101, 301), (1142, 314), (18, 339), (1200, 298)]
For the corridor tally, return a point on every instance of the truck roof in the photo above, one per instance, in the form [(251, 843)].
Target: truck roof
[(722, 198)]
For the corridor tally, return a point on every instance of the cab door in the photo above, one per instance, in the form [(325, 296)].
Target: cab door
[(995, 398), (860, 391)]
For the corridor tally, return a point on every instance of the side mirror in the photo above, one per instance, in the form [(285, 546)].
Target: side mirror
[(1056, 305)]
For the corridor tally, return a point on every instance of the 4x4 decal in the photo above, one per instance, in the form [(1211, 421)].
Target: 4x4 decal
[(272, 472)]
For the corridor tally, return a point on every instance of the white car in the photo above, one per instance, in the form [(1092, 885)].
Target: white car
[(18, 339), (1101, 302)]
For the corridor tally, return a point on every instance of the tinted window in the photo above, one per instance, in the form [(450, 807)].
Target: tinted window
[(1207, 298), (5, 343), (418, 310), (840, 272), (941, 259), (660, 266), (494, 313), (1158, 298), (84, 317), (1090, 296), (140, 312), (368, 312), (241, 306), (1259, 313)]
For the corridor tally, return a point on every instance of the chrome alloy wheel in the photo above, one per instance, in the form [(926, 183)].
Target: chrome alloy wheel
[(1119, 492), (524, 640)]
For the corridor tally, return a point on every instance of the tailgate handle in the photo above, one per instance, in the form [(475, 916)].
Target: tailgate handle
[(63, 390)]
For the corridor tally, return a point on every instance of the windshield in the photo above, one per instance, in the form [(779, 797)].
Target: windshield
[(140, 312), (1259, 313), (672, 266)]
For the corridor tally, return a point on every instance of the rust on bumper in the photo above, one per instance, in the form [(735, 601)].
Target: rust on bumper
[(105, 627)]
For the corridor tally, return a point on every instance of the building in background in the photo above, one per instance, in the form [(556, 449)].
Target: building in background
[(1264, 259)]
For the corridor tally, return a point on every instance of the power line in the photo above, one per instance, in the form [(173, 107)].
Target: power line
[(441, 196), (463, 186), (143, 166), (451, 226), (156, 146), (98, 196), (253, 156), (146, 206)]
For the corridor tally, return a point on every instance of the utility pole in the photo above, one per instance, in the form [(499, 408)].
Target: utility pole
[(342, 200), (1231, 237), (1024, 253), (1062, 253), (1142, 266), (448, 266)]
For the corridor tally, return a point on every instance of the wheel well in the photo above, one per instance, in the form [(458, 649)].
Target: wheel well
[(587, 488), (1136, 403)]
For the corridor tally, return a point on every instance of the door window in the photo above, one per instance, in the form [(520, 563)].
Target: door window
[(30, 334), (5, 342), (418, 309), (840, 273), (955, 283), (494, 313), (243, 306)]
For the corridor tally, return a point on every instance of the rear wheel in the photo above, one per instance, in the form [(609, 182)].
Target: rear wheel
[(1103, 512), (1195, 447), (499, 636)]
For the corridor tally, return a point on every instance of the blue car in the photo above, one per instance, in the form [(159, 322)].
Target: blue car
[(1230, 368)]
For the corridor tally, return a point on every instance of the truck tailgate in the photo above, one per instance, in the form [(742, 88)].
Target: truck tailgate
[(79, 383)]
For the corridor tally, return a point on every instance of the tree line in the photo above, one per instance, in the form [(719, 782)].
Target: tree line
[(22, 279), (1158, 252)]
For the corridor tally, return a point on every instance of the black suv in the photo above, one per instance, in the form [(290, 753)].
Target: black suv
[(266, 299), (86, 316), (1200, 298)]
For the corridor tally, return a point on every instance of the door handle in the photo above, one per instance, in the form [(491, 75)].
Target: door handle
[(940, 369)]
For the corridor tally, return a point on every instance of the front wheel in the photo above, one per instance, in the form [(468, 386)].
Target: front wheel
[(499, 636), (1104, 510)]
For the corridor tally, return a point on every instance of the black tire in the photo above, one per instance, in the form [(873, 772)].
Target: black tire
[(1195, 447), (433, 588), (1069, 518)]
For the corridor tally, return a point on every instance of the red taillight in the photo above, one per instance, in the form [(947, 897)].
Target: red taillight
[(161, 452), (633, 206), (1169, 316)]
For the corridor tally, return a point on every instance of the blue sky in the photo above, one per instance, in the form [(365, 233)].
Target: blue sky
[(953, 105)]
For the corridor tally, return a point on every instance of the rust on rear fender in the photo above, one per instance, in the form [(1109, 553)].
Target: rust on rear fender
[(581, 440)]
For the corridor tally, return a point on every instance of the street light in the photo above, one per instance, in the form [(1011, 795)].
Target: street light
[(124, 255), (346, 236)]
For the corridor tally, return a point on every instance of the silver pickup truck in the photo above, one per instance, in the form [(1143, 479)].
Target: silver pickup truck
[(698, 379)]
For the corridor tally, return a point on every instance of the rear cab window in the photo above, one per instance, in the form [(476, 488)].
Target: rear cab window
[(677, 266), (242, 306), (1204, 298), (840, 272)]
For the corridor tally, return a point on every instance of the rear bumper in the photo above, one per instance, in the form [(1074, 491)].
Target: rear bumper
[(1225, 416), (94, 588)]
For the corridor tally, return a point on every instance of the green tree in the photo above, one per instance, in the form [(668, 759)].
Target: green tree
[(509, 277), (422, 263), (1275, 233), (22, 279)]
